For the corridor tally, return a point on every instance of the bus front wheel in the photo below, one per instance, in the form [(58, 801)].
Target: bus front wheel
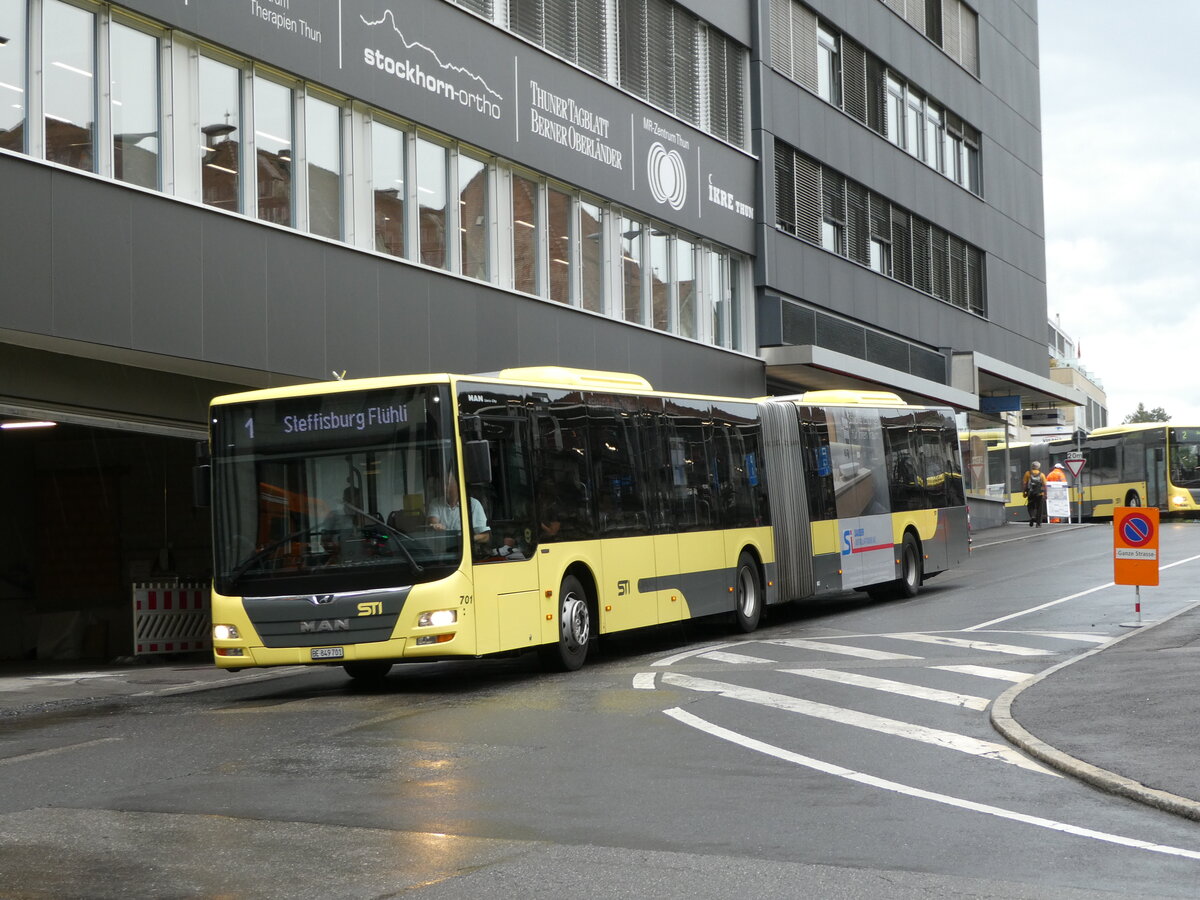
[(1132, 499), (574, 629), (748, 595), (367, 672)]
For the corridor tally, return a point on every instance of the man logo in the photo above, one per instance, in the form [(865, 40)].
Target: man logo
[(668, 177)]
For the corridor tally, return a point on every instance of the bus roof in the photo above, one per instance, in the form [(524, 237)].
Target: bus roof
[(556, 376), (1127, 428)]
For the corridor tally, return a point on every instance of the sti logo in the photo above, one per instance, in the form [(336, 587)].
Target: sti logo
[(623, 588)]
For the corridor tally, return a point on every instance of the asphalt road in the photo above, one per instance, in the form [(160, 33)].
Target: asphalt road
[(842, 750)]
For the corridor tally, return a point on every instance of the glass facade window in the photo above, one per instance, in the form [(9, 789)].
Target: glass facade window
[(934, 149), (431, 203), (914, 129), (829, 78), (895, 112), (631, 268), (133, 66), (525, 235), (473, 230), (660, 279), (220, 137), (717, 287), (323, 154), (273, 139), (591, 256), (12, 76), (558, 214), (388, 187), (69, 84), (685, 286)]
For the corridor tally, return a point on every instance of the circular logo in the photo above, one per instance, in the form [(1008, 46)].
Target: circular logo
[(668, 178)]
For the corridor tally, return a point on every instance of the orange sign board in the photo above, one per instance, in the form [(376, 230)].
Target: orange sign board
[(1135, 545)]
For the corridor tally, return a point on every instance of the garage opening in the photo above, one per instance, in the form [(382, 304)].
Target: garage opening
[(91, 511)]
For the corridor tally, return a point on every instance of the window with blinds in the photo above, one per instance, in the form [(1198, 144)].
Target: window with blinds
[(479, 7), (680, 64), (950, 24), (821, 206), (576, 30), (846, 75)]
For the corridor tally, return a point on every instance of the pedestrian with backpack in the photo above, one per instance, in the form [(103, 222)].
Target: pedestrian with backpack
[(1034, 484)]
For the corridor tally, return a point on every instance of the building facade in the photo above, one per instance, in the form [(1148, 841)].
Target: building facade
[(730, 198)]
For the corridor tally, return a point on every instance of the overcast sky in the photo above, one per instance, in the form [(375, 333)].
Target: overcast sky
[(1121, 145)]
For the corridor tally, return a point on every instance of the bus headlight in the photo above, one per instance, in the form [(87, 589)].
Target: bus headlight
[(1179, 500), (225, 633), (438, 618)]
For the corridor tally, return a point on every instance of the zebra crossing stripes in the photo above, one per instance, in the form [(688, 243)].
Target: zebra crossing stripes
[(734, 658), (1010, 649), (841, 649), (987, 672), (880, 724), (902, 688)]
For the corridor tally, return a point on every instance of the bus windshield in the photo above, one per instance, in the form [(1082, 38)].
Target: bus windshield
[(1185, 457), (332, 492)]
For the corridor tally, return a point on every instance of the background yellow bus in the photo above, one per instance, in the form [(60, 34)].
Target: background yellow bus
[(440, 516)]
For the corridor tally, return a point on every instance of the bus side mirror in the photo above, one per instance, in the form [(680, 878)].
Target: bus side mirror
[(477, 462), (202, 477)]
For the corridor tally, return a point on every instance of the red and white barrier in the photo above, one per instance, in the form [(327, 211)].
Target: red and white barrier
[(171, 618)]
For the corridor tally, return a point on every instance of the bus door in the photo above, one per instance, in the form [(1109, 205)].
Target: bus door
[(506, 575), (1156, 475)]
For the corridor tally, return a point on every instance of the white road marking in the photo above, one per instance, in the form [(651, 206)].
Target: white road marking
[(1034, 609), (54, 750), (841, 650), (1072, 636), (986, 672), (894, 687), (907, 790), (734, 658), (644, 681), (688, 654), (894, 727), (944, 641)]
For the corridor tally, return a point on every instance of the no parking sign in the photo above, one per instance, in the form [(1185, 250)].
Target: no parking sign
[(1135, 545)]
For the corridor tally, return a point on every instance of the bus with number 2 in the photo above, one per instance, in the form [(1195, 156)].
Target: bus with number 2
[(369, 522)]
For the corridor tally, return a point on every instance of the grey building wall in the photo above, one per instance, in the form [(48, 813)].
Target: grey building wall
[(1007, 222), (98, 269)]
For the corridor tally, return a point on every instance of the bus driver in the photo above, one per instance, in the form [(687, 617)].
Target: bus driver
[(445, 514)]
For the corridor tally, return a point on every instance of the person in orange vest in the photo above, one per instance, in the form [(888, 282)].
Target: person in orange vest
[(1058, 473), (1034, 486)]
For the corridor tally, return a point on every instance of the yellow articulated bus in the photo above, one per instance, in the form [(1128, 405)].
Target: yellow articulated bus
[(382, 520), (1143, 464)]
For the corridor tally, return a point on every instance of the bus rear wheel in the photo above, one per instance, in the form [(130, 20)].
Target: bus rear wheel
[(911, 574), (747, 591), (574, 629)]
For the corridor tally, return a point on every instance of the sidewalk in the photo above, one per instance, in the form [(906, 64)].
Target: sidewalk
[(1121, 717)]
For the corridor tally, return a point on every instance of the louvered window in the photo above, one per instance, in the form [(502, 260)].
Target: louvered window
[(794, 42), (854, 80), (573, 29), (726, 88), (482, 7), (901, 246), (822, 206), (660, 58), (857, 228), (785, 189), (922, 263), (808, 198)]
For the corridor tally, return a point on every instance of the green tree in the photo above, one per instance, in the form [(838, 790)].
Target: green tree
[(1141, 414)]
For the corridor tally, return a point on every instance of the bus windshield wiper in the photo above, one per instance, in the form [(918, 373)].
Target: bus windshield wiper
[(241, 568)]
